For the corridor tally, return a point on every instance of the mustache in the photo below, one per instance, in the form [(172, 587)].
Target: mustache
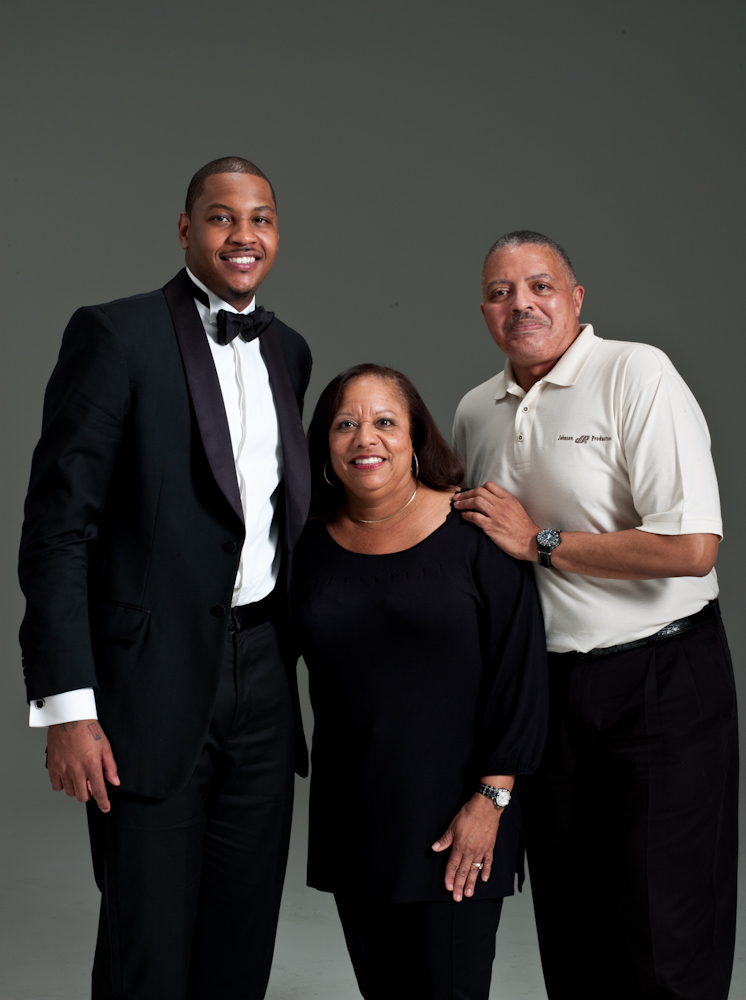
[(527, 315)]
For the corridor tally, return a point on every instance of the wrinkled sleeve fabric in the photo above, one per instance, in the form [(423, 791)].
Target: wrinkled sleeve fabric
[(85, 409), (667, 447), (514, 694)]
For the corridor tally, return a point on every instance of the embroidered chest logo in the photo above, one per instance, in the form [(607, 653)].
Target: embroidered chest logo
[(582, 438)]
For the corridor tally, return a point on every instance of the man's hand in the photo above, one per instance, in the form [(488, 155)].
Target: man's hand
[(501, 518), (79, 758), (629, 554)]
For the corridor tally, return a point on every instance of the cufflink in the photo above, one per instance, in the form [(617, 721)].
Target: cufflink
[(40, 703)]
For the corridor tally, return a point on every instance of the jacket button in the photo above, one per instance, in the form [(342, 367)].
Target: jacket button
[(218, 611), (229, 547)]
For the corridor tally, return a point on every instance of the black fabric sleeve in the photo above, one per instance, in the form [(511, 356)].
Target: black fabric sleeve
[(309, 366), (85, 407), (298, 359), (513, 711)]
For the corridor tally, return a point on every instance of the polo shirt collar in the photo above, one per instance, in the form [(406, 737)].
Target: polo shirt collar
[(565, 372), (568, 368)]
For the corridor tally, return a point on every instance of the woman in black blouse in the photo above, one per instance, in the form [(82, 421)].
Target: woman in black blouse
[(425, 647)]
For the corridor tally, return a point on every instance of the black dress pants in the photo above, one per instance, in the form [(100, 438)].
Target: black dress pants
[(631, 824), (421, 951), (191, 884)]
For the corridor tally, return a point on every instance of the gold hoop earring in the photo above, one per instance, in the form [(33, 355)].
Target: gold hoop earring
[(325, 475), (416, 469)]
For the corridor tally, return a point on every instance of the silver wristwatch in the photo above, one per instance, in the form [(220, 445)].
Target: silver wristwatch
[(500, 796), (546, 542)]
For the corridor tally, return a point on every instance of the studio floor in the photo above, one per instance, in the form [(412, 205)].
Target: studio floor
[(50, 905), (50, 910)]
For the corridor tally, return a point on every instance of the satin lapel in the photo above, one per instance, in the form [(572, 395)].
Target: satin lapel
[(296, 465), (204, 388)]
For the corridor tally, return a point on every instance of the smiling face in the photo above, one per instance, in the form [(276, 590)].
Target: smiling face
[(230, 236), (531, 307), (370, 444)]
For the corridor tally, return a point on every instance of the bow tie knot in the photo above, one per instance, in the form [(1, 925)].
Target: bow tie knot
[(247, 325)]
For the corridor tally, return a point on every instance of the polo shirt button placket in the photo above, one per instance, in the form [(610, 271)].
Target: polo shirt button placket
[(520, 454), (521, 442), (524, 421)]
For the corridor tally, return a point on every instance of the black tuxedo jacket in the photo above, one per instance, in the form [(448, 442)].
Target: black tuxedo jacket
[(134, 527)]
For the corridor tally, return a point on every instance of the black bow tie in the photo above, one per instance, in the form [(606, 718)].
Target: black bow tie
[(231, 325), (247, 325)]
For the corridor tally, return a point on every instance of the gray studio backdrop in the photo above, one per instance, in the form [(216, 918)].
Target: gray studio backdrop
[(402, 138)]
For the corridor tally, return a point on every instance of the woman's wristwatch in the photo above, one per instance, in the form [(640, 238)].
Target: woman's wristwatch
[(500, 796)]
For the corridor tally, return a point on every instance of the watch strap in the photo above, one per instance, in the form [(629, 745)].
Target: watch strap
[(495, 794), (546, 542)]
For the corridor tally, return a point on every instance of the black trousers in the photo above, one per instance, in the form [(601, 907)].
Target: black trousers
[(631, 823), (421, 951), (191, 884)]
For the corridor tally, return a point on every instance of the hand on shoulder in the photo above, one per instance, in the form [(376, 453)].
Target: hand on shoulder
[(502, 518)]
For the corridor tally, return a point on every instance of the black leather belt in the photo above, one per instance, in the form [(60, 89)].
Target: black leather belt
[(250, 615), (708, 613)]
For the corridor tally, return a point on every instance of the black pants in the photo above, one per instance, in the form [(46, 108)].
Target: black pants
[(421, 951), (191, 884), (631, 823)]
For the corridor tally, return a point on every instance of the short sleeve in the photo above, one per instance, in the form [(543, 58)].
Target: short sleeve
[(667, 447)]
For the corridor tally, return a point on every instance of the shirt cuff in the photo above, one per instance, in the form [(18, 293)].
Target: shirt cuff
[(70, 706)]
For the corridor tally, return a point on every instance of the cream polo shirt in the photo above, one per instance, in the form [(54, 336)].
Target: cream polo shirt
[(611, 438)]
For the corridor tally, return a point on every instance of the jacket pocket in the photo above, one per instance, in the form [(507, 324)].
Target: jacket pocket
[(123, 622)]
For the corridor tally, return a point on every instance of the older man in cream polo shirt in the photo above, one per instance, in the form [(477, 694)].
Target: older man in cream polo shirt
[(591, 458)]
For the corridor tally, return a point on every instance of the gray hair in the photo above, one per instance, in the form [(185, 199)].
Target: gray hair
[(523, 236)]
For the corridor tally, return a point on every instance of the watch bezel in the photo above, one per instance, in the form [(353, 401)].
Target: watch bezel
[(502, 798), (552, 536)]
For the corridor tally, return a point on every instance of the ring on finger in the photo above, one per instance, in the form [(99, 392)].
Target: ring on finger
[(479, 865)]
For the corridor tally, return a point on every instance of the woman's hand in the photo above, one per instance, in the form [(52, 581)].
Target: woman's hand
[(472, 833)]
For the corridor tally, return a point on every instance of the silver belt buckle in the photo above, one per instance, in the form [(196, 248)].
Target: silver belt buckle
[(673, 628)]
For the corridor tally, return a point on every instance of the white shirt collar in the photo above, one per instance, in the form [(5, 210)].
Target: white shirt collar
[(565, 372), (216, 304)]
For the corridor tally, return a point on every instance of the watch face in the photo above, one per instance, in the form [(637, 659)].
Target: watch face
[(548, 538), (502, 798)]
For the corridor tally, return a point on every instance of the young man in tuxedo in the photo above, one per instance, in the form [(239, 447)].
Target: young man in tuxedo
[(167, 492)]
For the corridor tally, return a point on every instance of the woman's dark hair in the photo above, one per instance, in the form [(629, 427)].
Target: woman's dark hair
[(440, 466)]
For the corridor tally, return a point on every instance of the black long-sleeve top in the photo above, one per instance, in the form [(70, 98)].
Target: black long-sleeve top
[(427, 671)]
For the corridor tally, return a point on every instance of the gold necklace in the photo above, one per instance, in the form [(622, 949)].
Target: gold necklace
[(361, 520)]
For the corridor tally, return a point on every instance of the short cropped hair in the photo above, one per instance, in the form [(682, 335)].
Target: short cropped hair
[(225, 165), (523, 236), (440, 466)]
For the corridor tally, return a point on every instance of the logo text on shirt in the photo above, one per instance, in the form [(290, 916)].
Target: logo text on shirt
[(582, 438)]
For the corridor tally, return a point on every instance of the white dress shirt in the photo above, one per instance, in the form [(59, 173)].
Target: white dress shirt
[(611, 438), (257, 451)]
